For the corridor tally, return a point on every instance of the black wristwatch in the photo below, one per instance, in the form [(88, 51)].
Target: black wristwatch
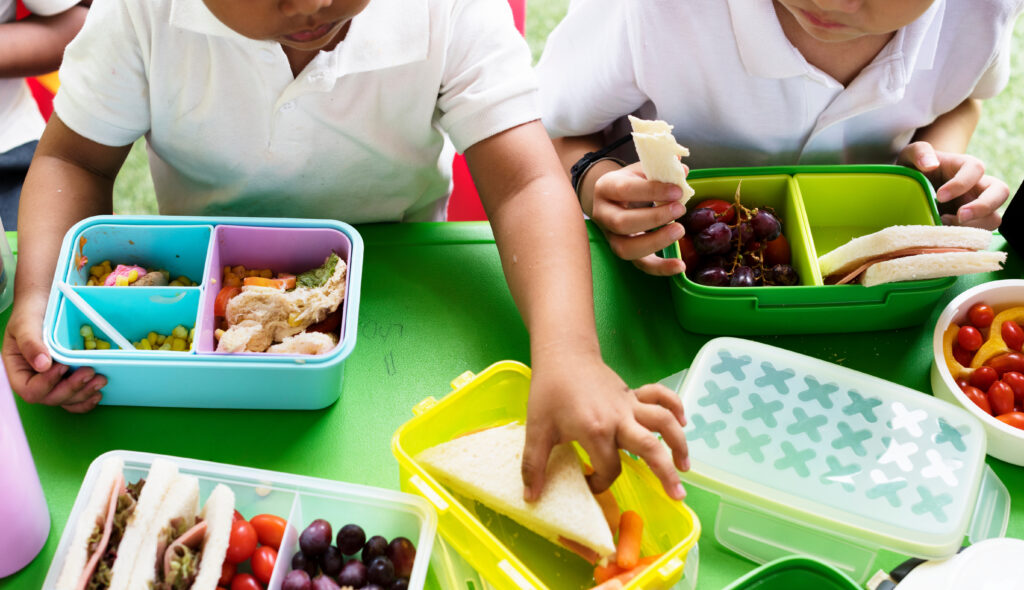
[(579, 169)]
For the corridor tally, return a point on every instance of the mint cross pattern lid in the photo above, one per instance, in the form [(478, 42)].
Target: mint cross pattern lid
[(834, 449)]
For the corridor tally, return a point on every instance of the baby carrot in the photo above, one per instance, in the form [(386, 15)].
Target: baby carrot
[(610, 508), (631, 528), (603, 573), (611, 584)]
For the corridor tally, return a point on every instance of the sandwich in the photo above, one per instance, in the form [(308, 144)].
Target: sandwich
[(485, 466), (910, 253), (659, 153), (111, 526), (147, 535)]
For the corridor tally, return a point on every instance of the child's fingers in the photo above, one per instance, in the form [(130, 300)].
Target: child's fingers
[(28, 383), (920, 155), (83, 407), (539, 442), (657, 266), (638, 440), (88, 390), (967, 176), (69, 387), (659, 419), (629, 185), (626, 220), (633, 247), (604, 458), (655, 393), (994, 193)]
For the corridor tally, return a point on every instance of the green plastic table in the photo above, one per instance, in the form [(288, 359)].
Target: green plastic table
[(435, 304)]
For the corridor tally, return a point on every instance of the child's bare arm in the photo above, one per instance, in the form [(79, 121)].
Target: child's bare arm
[(35, 44), (70, 178), (967, 195), (618, 200), (545, 255)]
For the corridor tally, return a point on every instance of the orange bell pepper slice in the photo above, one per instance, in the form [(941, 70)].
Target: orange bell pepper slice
[(265, 282), (995, 345), (955, 368)]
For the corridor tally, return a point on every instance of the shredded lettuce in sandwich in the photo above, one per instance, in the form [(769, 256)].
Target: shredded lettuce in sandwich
[(184, 567), (100, 579), (317, 277), (126, 502)]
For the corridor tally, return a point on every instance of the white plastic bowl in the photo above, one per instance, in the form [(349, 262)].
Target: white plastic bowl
[(1004, 441)]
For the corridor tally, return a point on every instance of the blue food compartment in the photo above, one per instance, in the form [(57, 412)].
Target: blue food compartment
[(178, 249), (186, 246)]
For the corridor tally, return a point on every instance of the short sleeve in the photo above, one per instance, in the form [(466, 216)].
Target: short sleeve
[(487, 85), (104, 89), (586, 74), (995, 78), (48, 7)]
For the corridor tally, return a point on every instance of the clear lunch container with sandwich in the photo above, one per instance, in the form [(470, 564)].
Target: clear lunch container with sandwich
[(812, 458), (194, 374), (297, 499), (507, 555), (821, 208)]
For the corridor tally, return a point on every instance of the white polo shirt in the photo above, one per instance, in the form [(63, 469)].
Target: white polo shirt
[(355, 136), (740, 94), (20, 121)]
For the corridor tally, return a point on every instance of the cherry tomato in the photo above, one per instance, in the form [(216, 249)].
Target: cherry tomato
[(1010, 361), (776, 252), (245, 582), (263, 563), (329, 325), (1016, 382), (220, 303), (1012, 334), (724, 210), (227, 571), (242, 542), (237, 516), (984, 377), (962, 356), (962, 383), (1000, 398), (269, 529), (981, 315), (969, 338), (978, 397), (688, 253), (1015, 419)]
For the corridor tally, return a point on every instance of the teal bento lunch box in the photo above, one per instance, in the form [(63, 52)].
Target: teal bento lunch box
[(197, 248), (821, 208), (808, 457)]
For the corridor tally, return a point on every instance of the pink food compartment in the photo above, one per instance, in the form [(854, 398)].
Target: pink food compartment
[(281, 249)]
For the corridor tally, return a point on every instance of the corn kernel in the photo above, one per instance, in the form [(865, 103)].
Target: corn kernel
[(95, 270), (103, 279), (238, 270), (144, 344), (191, 334), (133, 275), (90, 344), (160, 339), (102, 345), (151, 337), (175, 283), (178, 344), (166, 345), (86, 331), (121, 281), (232, 281), (179, 331)]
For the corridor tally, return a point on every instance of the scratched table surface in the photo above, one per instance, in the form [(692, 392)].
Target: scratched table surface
[(434, 304)]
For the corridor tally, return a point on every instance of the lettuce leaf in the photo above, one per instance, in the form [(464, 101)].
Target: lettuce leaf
[(317, 277)]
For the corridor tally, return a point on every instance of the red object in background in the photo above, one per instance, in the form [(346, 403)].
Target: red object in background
[(21, 12), (43, 96), (464, 204)]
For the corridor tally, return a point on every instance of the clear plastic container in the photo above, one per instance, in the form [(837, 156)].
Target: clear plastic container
[(809, 457), (296, 498), (6, 271)]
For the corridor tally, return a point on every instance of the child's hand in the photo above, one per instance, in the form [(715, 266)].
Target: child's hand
[(972, 194), (623, 209), (34, 375), (586, 401)]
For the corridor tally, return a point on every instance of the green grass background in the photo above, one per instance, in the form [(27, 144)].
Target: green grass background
[(999, 140)]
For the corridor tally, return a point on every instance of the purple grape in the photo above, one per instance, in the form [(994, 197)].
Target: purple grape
[(297, 580), (402, 554), (743, 233), (325, 583), (316, 538), (381, 571), (301, 562), (351, 539), (766, 227), (331, 561), (376, 546), (743, 276), (714, 276), (353, 573), (696, 220), (783, 275), (399, 584), (714, 239)]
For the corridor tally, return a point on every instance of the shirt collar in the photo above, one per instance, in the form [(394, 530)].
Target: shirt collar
[(387, 33), (767, 53)]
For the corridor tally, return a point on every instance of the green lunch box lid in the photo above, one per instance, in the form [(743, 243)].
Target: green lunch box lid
[(838, 451), (797, 572)]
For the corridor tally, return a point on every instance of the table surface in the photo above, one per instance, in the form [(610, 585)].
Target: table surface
[(434, 304)]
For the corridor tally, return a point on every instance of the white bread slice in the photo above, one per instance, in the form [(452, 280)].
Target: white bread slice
[(486, 466), (218, 513), (932, 266), (158, 481), (899, 237), (95, 511), (659, 153), (181, 501)]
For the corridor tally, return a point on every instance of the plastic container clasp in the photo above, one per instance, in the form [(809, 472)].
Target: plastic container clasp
[(991, 510)]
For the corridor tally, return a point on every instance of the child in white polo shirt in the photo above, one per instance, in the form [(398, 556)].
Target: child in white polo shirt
[(762, 82), (335, 108)]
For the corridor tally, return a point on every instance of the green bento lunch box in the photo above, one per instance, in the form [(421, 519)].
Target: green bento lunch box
[(821, 208)]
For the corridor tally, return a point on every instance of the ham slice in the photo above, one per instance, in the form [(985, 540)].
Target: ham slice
[(108, 527), (191, 538), (853, 274)]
